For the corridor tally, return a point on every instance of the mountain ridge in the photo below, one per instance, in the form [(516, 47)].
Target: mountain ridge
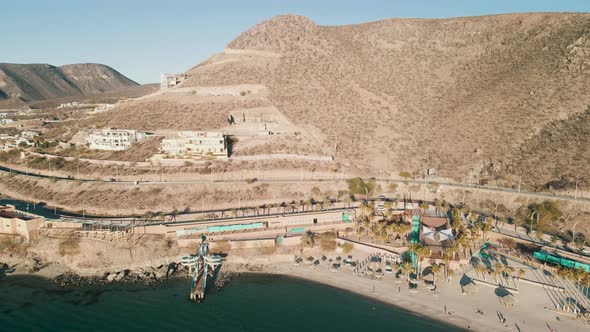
[(455, 94), (40, 81)]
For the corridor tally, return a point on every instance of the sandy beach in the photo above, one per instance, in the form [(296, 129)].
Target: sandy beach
[(449, 305), (481, 312)]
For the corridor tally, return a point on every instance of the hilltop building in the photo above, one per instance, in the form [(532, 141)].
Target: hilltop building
[(113, 139), (192, 144), (168, 80)]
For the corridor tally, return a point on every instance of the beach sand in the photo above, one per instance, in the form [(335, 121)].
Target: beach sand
[(449, 305)]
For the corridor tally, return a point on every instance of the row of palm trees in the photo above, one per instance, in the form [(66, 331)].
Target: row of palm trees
[(499, 269), (579, 275)]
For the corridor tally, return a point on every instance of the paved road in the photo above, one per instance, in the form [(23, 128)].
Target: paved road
[(464, 186)]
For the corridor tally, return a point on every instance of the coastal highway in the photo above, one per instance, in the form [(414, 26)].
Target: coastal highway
[(452, 185)]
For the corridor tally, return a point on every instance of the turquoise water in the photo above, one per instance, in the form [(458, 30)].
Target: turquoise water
[(248, 303)]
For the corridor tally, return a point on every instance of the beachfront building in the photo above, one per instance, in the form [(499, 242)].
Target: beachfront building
[(437, 234), (191, 144), (269, 226), (113, 139), (168, 80), (16, 222)]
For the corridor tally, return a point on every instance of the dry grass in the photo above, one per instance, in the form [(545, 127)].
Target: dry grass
[(42, 81), (328, 241), (69, 246)]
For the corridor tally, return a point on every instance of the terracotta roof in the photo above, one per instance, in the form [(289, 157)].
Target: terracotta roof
[(12, 215), (435, 222)]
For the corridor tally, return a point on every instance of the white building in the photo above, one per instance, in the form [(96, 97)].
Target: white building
[(168, 80), (196, 143), (113, 139)]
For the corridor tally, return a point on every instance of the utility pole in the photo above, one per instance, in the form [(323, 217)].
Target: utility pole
[(576, 194)]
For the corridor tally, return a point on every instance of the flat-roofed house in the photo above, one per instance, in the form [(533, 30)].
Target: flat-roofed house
[(168, 80), (113, 139), (20, 223), (196, 144)]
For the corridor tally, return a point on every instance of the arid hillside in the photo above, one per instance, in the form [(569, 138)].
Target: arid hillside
[(458, 95), (34, 82)]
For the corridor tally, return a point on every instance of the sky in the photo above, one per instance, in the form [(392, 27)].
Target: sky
[(143, 38)]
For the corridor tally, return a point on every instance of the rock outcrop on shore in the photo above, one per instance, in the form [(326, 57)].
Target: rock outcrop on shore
[(145, 275)]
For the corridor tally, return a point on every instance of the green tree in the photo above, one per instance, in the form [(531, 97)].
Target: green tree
[(358, 186), (308, 240), (435, 269)]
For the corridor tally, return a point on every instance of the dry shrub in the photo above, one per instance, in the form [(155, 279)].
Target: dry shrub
[(13, 245), (328, 241), (69, 246), (222, 246), (267, 250), (347, 247)]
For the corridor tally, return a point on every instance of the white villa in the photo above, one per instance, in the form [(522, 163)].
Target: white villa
[(113, 139), (168, 80), (195, 144)]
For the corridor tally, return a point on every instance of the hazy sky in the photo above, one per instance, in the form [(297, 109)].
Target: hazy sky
[(142, 38)]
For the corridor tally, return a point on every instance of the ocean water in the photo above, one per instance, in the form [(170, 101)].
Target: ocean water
[(247, 303)]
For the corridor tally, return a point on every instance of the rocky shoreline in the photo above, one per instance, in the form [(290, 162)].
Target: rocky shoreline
[(150, 275)]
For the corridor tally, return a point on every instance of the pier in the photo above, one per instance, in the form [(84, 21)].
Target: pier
[(202, 266)]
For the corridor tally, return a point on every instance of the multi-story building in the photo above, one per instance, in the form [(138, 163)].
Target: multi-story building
[(196, 144), (113, 139)]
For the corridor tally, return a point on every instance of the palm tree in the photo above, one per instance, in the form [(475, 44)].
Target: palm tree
[(421, 252), (450, 274), (435, 269), (148, 216), (407, 268), (497, 269), (173, 214), (482, 269), (486, 227)]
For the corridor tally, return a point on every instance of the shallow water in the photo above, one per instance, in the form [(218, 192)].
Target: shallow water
[(247, 303)]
